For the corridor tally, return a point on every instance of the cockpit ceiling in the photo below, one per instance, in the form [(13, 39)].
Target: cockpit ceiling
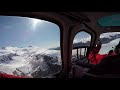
[(78, 16)]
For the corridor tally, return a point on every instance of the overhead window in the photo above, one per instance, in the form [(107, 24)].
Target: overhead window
[(28, 47), (112, 20)]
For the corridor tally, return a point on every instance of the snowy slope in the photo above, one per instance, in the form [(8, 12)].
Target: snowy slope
[(106, 47), (27, 60)]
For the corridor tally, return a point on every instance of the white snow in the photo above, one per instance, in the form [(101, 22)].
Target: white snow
[(107, 47), (24, 59)]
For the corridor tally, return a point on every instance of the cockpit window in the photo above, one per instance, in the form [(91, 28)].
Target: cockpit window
[(109, 41), (28, 47), (81, 43), (113, 20)]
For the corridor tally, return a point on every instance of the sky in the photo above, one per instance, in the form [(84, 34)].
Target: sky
[(81, 35), (24, 32)]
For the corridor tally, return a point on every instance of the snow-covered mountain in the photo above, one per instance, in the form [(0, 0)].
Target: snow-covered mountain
[(108, 37), (105, 39), (30, 61), (109, 46)]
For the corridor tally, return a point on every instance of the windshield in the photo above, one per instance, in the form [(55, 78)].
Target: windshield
[(27, 47)]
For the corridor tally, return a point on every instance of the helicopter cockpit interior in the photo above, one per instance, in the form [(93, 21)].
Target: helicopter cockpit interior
[(58, 44)]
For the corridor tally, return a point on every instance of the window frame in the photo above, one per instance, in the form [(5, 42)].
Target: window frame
[(83, 30), (83, 27)]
